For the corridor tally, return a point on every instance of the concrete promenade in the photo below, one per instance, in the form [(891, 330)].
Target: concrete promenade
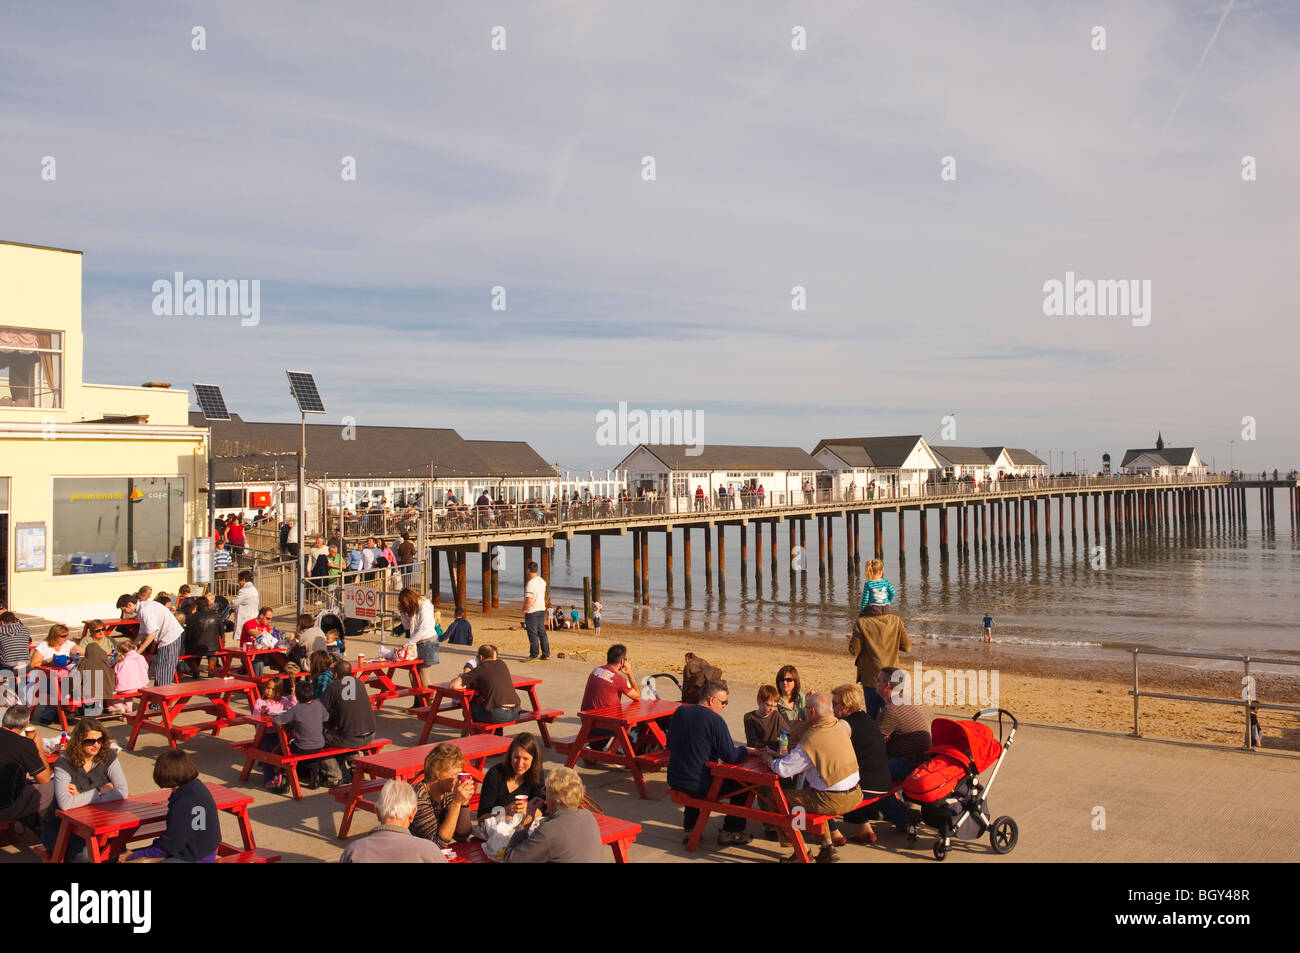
[(1163, 801)]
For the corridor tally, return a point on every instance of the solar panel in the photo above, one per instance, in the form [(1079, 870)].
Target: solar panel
[(211, 403), (303, 388)]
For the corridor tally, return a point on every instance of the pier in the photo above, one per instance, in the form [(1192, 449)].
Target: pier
[(1011, 516)]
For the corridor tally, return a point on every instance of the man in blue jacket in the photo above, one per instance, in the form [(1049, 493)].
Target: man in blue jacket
[(696, 736)]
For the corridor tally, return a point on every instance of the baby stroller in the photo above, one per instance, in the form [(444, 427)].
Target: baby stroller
[(945, 792)]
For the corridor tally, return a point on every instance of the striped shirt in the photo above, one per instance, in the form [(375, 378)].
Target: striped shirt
[(876, 592), (221, 559)]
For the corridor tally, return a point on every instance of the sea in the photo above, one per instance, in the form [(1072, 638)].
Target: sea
[(1218, 591)]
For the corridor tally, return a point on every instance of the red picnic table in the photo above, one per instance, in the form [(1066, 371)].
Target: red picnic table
[(757, 780), (407, 764), (173, 699), (448, 699), (379, 673), (130, 627), (219, 663), (649, 753), (108, 827), (278, 659), (615, 833)]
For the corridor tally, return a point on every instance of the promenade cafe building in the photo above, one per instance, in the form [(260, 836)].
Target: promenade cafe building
[(100, 485)]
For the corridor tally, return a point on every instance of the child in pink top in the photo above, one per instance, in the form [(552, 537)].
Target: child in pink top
[(132, 672), (273, 700)]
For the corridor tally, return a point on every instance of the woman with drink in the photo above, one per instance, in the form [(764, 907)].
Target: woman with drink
[(515, 785), (442, 800)]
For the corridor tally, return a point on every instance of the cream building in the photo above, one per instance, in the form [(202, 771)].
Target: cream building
[(101, 486)]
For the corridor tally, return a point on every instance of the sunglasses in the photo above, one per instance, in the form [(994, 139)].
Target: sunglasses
[(92, 742), (787, 679)]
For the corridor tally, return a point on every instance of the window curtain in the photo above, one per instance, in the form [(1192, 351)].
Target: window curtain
[(47, 367)]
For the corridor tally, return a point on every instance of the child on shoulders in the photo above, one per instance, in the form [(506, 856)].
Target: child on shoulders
[(877, 591)]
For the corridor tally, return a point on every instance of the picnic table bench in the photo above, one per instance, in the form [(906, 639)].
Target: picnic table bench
[(407, 764), (617, 834), (756, 780), (284, 757), (448, 699), (172, 700), (650, 753), (379, 673), (109, 827)]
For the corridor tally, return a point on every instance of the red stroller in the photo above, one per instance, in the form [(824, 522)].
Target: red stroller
[(945, 792)]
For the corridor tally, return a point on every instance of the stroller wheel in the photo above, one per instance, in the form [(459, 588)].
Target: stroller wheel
[(1004, 835), (940, 850)]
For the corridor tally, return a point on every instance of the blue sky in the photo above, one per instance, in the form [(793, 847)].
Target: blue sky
[(775, 168)]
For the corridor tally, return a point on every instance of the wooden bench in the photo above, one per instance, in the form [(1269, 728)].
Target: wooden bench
[(546, 716), (258, 855), (287, 760)]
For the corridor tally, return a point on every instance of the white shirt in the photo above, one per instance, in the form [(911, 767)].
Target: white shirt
[(158, 618), (420, 627), (245, 604), (368, 557), (292, 535), (535, 593)]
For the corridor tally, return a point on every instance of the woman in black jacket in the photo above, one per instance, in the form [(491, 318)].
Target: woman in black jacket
[(193, 826), (518, 776), (204, 633), (873, 765)]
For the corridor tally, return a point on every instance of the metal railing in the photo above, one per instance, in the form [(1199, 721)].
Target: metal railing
[(276, 582), (1246, 701)]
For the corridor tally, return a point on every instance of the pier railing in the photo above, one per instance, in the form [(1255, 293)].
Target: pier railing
[(556, 514), (1246, 701)]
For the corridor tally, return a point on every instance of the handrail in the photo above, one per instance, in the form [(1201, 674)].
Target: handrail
[(1247, 701)]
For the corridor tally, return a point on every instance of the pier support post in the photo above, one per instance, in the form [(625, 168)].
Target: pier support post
[(943, 532), (857, 539), (668, 563), (462, 580), (1033, 520), (686, 557), (722, 558), (496, 552), (595, 566), (803, 542), (794, 542), (830, 543), (878, 521), (821, 547), (902, 538), (636, 567), (772, 533), (485, 562), (709, 559), (451, 578), (546, 570), (925, 535), (645, 567), (744, 552), (758, 552)]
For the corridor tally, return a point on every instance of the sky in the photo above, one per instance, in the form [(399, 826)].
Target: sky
[(774, 168)]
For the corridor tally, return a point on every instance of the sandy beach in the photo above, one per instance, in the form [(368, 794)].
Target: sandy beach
[(1068, 692)]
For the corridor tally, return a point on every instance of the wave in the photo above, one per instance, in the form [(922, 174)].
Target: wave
[(1015, 640)]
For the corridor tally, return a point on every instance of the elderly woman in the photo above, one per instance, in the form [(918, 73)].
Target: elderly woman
[(849, 706), (568, 834), (442, 801), (88, 772), (95, 675)]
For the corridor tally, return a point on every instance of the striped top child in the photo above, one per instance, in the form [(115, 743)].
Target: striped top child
[(876, 591)]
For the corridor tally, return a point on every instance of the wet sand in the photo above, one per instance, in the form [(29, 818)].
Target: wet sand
[(1083, 692)]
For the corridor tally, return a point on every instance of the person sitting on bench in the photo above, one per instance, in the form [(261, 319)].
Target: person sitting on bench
[(495, 699)]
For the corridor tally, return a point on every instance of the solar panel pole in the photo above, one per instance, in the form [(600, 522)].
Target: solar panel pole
[(302, 467)]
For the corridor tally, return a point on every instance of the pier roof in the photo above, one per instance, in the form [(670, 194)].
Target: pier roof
[(246, 451), (886, 453), (728, 457), (1172, 456), (965, 456), (1023, 458)]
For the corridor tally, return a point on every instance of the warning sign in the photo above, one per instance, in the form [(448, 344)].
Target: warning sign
[(360, 602)]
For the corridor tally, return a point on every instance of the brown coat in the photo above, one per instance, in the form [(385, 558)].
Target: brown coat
[(875, 644)]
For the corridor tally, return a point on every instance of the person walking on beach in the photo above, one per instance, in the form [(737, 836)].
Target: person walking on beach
[(988, 628), (539, 645), (875, 644)]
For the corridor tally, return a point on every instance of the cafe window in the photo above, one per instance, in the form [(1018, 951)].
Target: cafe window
[(118, 524), (31, 368)]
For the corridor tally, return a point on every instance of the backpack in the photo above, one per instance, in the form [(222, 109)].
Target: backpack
[(695, 673)]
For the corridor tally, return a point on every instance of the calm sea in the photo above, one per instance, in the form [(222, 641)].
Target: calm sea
[(1219, 591)]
